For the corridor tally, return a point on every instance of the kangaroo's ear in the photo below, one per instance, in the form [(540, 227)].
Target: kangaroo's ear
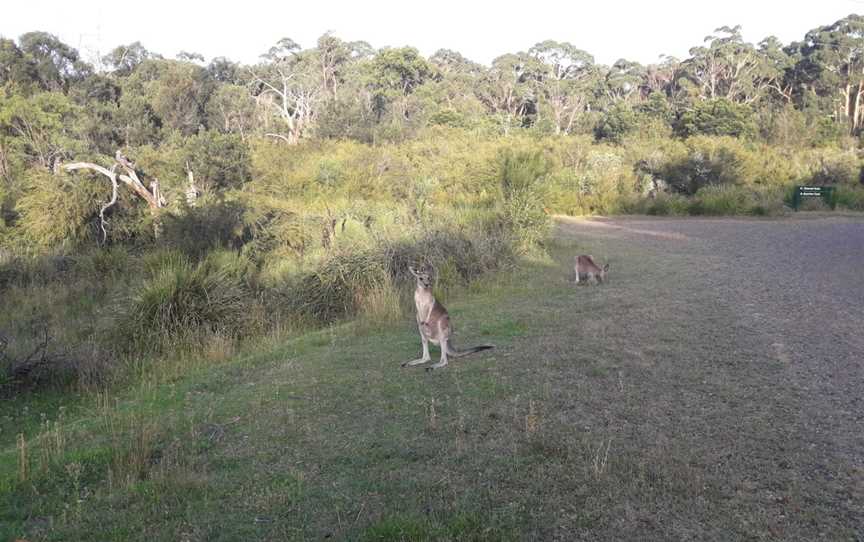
[(412, 270), (606, 268)]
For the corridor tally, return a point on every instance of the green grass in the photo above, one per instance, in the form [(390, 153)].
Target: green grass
[(589, 418)]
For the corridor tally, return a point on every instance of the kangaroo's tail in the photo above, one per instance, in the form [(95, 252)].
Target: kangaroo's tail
[(452, 352)]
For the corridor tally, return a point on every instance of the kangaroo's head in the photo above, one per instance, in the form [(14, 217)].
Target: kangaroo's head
[(603, 272), (423, 276)]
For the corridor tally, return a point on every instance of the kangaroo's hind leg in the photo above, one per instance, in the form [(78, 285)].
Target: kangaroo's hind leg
[(426, 357), (443, 361)]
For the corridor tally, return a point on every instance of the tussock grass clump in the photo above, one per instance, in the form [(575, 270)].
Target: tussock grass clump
[(34, 269), (369, 281), (182, 298), (334, 289), (470, 256)]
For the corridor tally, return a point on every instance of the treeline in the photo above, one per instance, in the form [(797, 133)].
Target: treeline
[(56, 106), (153, 205), (183, 115)]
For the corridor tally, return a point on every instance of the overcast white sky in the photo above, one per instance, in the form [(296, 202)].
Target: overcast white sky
[(609, 29)]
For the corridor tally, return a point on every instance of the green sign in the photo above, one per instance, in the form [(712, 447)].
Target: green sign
[(824, 192)]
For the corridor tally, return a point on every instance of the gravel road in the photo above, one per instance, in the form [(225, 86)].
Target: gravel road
[(776, 404)]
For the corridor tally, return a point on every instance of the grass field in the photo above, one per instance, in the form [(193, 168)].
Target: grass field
[(712, 389)]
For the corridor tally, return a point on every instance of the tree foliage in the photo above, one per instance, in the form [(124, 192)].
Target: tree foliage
[(200, 129)]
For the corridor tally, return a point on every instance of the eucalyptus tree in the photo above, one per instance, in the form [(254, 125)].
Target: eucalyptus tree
[(779, 68), (346, 105), (832, 66), (662, 76), (289, 87), (175, 91), (231, 109), (624, 81), (506, 90), (454, 91), (98, 95), (727, 67), (17, 71), (562, 76), (393, 75), (57, 65), (225, 71), (123, 60), (187, 56), (450, 62), (334, 57)]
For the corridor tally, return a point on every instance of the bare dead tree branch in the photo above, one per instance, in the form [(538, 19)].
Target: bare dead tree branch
[(279, 136), (154, 198), (110, 203)]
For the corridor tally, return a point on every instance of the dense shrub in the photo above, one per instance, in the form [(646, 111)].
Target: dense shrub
[(707, 161), (790, 127), (850, 197), (718, 117), (662, 204), (346, 283), (836, 168), (737, 200), (721, 200), (523, 175), (619, 121), (195, 230)]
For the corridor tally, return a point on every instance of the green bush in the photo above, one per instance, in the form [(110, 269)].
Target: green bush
[(738, 200), (718, 117), (837, 168), (107, 263), (619, 121), (55, 210), (721, 200), (850, 197), (790, 127), (657, 107), (709, 161), (662, 204), (195, 230), (522, 176), (344, 282)]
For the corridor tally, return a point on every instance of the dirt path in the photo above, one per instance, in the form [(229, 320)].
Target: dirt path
[(776, 403)]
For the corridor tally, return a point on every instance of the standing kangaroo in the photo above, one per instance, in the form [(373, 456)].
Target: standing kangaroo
[(585, 266), (433, 322)]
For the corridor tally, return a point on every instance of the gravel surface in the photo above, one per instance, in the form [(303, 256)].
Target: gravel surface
[(772, 409)]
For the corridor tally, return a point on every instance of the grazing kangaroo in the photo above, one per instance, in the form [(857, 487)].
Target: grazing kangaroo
[(433, 322), (585, 266)]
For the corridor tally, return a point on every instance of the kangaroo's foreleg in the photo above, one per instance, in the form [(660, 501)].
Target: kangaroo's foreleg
[(426, 357)]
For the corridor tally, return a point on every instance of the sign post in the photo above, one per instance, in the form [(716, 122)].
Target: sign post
[(824, 192)]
